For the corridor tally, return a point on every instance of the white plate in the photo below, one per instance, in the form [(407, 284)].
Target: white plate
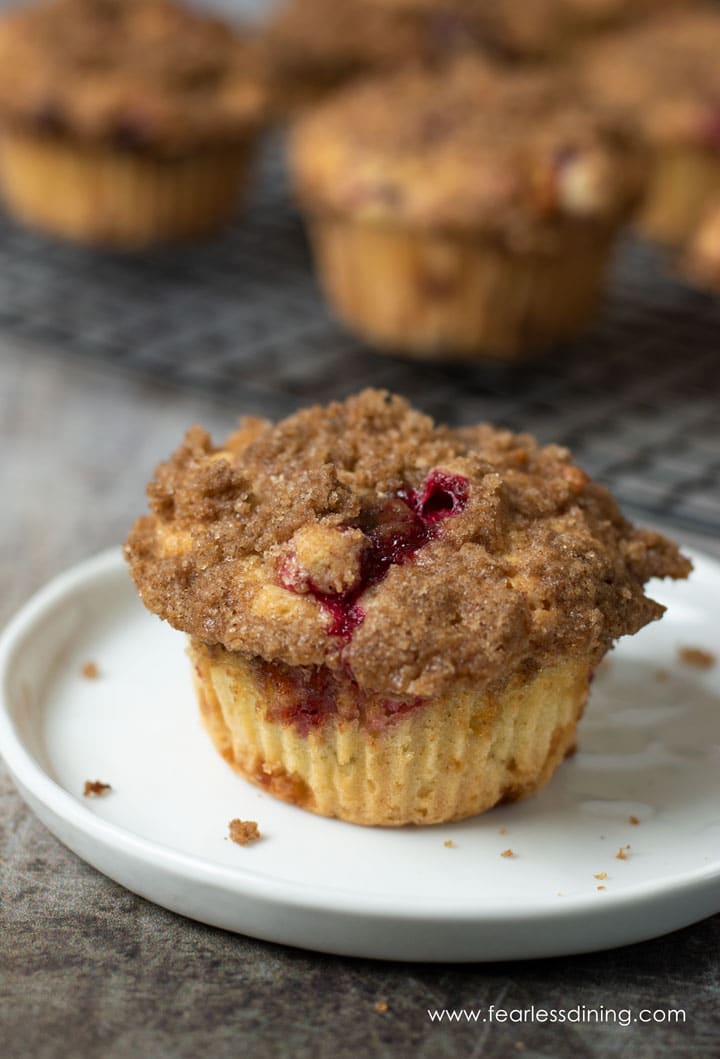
[(649, 748)]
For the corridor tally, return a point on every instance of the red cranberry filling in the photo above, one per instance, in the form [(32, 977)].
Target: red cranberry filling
[(306, 698), (396, 530), (346, 615), (303, 697), (444, 495), (710, 128)]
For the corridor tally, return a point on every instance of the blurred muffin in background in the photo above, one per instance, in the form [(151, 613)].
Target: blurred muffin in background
[(125, 123), (533, 30), (665, 75), (468, 211), (700, 261), (315, 46)]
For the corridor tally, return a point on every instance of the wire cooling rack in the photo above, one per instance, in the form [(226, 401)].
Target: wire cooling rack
[(637, 398)]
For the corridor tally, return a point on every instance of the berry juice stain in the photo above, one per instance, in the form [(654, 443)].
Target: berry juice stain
[(396, 529), (306, 697)]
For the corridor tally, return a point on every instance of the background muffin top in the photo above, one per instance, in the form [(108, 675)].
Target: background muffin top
[(533, 29), (314, 45), (664, 73), (467, 147), (417, 556), (140, 73)]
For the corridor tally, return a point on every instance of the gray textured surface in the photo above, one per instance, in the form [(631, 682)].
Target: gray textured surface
[(87, 969)]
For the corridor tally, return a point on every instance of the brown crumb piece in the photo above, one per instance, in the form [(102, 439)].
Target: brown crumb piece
[(381, 1006), (503, 831), (600, 875), (634, 820), (95, 788), (90, 671), (601, 887), (507, 853), (621, 854), (244, 831), (697, 657), (449, 844)]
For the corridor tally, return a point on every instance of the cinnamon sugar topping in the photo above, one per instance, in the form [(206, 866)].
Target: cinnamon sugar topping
[(696, 657), (95, 788), (141, 74), (243, 832), (664, 74), (472, 148), (360, 537)]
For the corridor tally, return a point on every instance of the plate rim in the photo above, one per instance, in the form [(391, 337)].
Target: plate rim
[(31, 778)]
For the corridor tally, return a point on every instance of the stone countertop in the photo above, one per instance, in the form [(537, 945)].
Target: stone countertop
[(89, 969)]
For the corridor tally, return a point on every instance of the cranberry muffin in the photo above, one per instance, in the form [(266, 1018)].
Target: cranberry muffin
[(533, 30), (465, 212), (665, 76), (312, 47), (390, 621), (124, 122), (699, 262)]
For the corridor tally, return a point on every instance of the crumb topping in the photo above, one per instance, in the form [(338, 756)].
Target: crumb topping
[(142, 74), (468, 147), (362, 538), (546, 29), (326, 40), (95, 788), (696, 657), (243, 832), (700, 261), (664, 74)]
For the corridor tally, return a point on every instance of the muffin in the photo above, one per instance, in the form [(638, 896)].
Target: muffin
[(464, 212), (313, 47), (124, 123), (699, 261), (665, 76), (535, 30), (391, 622)]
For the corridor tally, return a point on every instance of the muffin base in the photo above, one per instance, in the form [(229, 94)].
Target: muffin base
[(684, 180), (116, 198), (441, 761), (429, 295)]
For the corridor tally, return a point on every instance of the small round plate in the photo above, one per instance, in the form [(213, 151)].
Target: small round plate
[(622, 845)]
